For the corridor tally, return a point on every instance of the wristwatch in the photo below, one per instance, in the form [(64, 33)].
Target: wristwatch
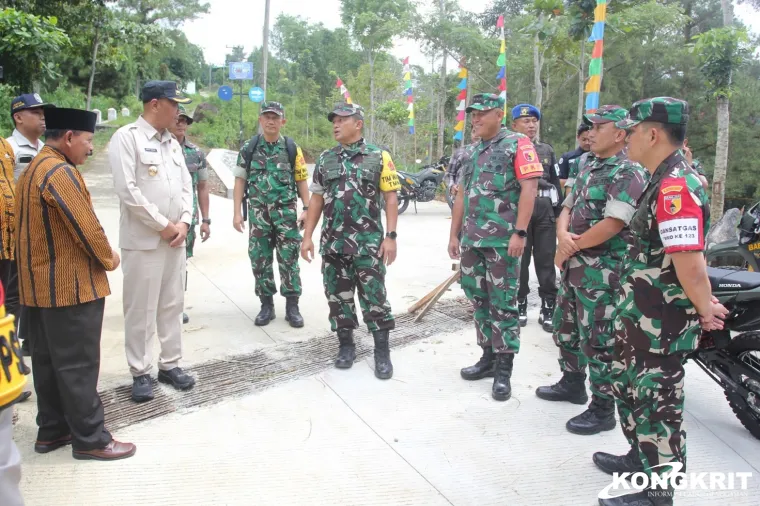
[(391, 235), (521, 233), (207, 221)]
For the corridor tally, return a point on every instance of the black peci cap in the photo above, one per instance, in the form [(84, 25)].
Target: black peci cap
[(79, 120)]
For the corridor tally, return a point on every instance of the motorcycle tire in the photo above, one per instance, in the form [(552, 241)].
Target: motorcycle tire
[(403, 202), (741, 344)]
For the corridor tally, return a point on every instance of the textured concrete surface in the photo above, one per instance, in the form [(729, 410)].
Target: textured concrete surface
[(426, 437)]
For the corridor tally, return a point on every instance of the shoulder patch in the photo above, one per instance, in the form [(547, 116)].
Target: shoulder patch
[(671, 189)]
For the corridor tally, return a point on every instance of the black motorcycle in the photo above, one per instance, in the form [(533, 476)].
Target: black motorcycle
[(743, 251), (734, 362), (422, 186)]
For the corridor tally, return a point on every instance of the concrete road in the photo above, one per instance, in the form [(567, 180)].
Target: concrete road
[(315, 435)]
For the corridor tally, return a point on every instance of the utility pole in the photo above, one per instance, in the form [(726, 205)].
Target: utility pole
[(265, 55)]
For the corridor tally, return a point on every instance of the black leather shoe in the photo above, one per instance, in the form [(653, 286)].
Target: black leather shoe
[(482, 369), (347, 350), (292, 314), (599, 416), (383, 365), (177, 378), (142, 388), (611, 464), (522, 310), (185, 318), (25, 395), (571, 388), (502, 387), (266, 314), (547, 313), (27, 370)]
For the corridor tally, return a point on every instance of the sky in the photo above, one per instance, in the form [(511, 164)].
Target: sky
[(235, 22)]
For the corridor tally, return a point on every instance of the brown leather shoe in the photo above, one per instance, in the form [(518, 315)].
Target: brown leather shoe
[(114, 451), (49, 446)]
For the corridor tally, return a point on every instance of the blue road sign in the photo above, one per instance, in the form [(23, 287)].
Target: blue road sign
[(225, 93), (241, 70), (256, 94)]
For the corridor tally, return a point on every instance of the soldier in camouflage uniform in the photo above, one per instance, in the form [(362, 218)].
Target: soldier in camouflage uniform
[(695, 164), (656, 322), (542, 230), (349, 181), (498, 189), (453, 171), (272, 171), (593, 238), (568, 162), (198, 168)]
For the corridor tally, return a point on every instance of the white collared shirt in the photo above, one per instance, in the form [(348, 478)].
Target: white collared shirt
[(24, 151)]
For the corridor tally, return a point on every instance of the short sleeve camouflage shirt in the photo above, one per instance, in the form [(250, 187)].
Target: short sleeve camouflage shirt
[(351, 180), (673, 216), (491, 182), (606, 188), (271, 179)]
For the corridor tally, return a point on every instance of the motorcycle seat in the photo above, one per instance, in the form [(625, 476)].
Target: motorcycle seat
[(728, 280)]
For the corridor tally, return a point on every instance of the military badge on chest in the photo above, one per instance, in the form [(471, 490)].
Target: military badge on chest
[(152, 170)]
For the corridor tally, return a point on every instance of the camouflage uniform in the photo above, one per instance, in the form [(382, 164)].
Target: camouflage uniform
[(351, 179), (453, 171), (272, 213), (656, 323), (491, 182), (198, 168), (575, 166)]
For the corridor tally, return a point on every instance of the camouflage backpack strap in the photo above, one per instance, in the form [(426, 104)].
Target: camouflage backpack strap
[(248, 153)]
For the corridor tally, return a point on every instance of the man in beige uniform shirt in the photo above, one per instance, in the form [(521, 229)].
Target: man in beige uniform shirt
[(155, 190)]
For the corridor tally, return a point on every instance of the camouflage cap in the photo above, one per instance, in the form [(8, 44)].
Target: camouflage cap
[(606, 114), (183, 113), (274, 107), (345, 109), (485, 102), (668, 110)]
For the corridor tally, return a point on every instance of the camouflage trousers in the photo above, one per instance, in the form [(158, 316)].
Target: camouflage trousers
[(275, 227), (650, 401), (584, 333), (489, 279), (190, 239), (342, 276)]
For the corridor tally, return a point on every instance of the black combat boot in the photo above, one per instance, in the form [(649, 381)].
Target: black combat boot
[(483, 368), (185, 318), (502, 387), (611, 464), (266, 314), (383, 365), (571, 388), (522, 310), (646, 497), (347, 349), (547, 312), (599, 416), (292, 314)]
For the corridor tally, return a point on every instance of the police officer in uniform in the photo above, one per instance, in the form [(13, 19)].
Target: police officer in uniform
[(542, 231), (28, 113), (195, 160), (355, 251), (155, 190)]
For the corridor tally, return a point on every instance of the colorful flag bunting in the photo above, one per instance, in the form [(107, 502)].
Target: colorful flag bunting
[(408, 91), (462, 98), (343, 91), (501, 62), (594, 84)]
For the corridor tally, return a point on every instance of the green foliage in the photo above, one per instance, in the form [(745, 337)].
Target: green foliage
[(25, 41), (720, 52)]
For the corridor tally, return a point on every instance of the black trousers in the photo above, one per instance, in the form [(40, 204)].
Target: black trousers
[(9, 279), (541, 243), (65, 345)]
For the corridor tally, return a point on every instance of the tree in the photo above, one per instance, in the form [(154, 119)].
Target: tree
[(171, 12), (721, 51), (374, 23), (26, 45)]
